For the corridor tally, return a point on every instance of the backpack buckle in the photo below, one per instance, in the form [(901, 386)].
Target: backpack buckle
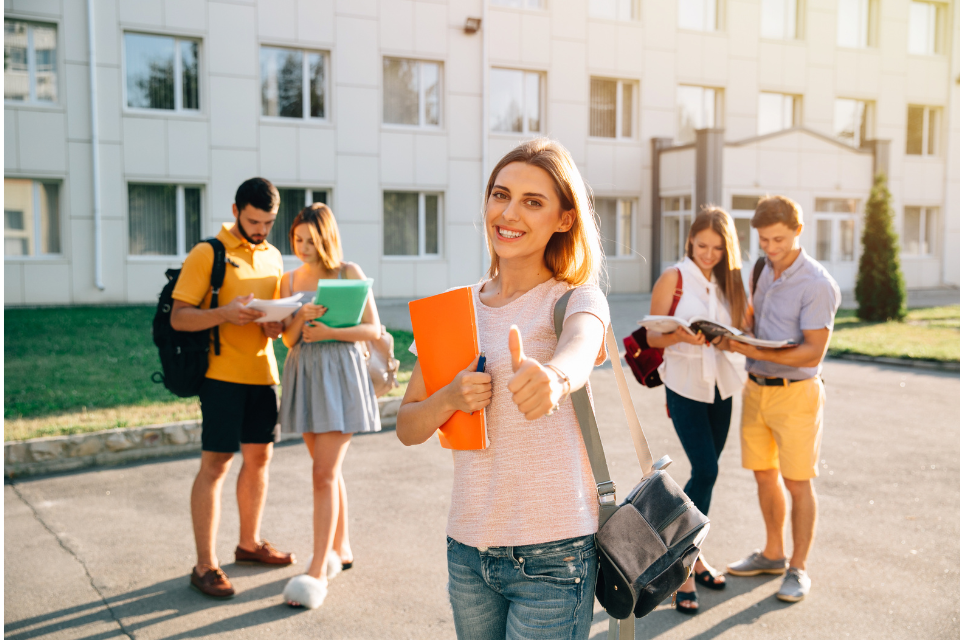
[(607, 492), (217, 291)]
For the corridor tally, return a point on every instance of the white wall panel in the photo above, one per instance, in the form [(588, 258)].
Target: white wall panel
[(535, 39), (113, 189), (46, 283), (278, 152), (42, 140), (359, 196), (358, 59), (463, 119), (398, 14), (358, 124), (145, 146), (277, 19), (185, 14), (229, 168), (74, 31), (77, 80), (430, 157), (315, 21), (141, 12), (109, 103), (396, 158), (366, 8), (188, 148), (10, 143), (234, 112), (317, 151), (361, 244), (430, 28), (12, 283), (232, 42), (463, 200), (396, 279), (431, 277)]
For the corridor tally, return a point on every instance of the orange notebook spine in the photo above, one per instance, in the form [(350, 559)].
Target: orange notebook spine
[(445, 330)]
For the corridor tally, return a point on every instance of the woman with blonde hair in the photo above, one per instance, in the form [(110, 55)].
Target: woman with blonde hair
[(327, 393), (701, 379), (521, 556)]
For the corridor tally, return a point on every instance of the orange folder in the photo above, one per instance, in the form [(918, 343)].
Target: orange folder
[(445, 330)]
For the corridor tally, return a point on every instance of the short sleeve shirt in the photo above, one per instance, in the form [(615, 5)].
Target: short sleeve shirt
[(534, 483), (246, 354), (804, 298)]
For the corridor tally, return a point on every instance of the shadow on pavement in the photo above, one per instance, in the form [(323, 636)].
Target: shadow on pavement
[(157, 604), (665, 617)]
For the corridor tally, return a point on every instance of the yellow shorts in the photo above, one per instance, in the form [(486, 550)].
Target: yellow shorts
[(781, 428)]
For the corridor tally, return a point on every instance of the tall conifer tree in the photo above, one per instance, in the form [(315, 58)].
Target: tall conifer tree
[(881, 291)]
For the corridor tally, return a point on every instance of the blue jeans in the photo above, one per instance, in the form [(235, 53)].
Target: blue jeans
[(702, 429), (533, 592)]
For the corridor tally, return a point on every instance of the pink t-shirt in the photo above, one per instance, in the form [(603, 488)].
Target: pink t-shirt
[(534, 483)]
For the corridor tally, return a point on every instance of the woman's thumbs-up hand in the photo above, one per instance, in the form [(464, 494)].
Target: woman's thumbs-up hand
[(535, 388)]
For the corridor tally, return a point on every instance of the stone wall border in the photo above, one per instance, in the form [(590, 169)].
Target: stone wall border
[(117, 446)]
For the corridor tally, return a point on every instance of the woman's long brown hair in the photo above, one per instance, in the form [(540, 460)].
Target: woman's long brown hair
[(323, 229), (727, 270)]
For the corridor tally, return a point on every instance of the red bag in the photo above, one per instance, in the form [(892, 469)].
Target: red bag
[(643, 359)]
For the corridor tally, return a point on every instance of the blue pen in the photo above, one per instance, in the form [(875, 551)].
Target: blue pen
[(481, 365)]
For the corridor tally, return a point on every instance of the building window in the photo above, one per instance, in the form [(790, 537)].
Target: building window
[(519, 4), (611, 108), (615, 217), (615, 9), (697, 108), (776, 112), (29, 61), (164, 219), (292, 83), (778, 19), (920, 230), (162, 72), (31, 218), (923, 130), (856, 23), (515, 100), (411, 224), (292, 201), (698, 15), (411, 92), (741, 210), (836, 226), (677, 214), (926, 34), (852, 121)]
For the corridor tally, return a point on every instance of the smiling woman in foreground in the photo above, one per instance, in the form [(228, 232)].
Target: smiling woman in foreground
[(520, 545)]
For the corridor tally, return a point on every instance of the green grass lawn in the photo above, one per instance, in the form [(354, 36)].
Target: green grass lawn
[(70, 370), (925, 334)]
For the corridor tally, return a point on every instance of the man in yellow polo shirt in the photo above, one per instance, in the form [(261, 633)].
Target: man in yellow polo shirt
[(238, 399)]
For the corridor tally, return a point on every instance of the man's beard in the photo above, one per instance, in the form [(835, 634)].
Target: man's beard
[(243, 232)]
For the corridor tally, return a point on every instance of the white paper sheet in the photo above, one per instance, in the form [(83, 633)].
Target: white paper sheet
[(278, 309)]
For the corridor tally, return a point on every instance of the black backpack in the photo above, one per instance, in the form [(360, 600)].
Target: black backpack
[(184, 355)]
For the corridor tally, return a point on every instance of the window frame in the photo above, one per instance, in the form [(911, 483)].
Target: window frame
[(178, 109), (835, 218), (541, 110), (501, 4), (869, 119), (932, 252), (938, 31), (925, 144), (635, 10), (870, 30), (621, 253), (305, 87), (681, 215), (308, 200), (182, 250), (798, 32), (421, 226), (31, 100), (797, 116), (37, 220), (618, 116), (421, 94), (718, 109), (718, 27)]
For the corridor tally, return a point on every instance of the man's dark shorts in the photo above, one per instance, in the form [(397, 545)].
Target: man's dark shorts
[(235, 414)]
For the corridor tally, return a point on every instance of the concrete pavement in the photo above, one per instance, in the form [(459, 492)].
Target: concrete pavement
[(107, 553)]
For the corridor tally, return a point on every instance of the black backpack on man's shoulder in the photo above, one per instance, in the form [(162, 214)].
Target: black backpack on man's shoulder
[(184, 355)]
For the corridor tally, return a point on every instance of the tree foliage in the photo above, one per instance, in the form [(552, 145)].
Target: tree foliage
[(881, 291)]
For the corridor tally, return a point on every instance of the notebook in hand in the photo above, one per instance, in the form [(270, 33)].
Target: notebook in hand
[(345, 301), (445, 332), (711, 329)]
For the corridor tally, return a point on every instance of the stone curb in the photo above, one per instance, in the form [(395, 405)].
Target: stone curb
[(117, 446), (929, 365)]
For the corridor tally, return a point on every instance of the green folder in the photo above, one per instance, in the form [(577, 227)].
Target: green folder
[(345, 301)]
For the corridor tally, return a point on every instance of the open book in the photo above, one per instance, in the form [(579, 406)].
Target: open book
[(709, 328), (277, 309)]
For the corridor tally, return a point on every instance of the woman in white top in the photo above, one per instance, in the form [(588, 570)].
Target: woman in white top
[(700, 378), (521, 554)]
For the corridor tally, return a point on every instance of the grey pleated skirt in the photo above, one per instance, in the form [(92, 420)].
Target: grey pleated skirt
[(326, 387)]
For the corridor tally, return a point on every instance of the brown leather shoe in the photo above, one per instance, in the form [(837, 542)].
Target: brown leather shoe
[(265, 554), (213, 583)]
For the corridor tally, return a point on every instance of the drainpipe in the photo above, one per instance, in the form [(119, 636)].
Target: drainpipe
[(484, 123), (95, 144)]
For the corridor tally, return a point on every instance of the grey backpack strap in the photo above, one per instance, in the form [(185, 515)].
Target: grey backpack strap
[(606, 490)]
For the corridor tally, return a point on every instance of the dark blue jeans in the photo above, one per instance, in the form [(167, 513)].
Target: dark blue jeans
[(702, 429)]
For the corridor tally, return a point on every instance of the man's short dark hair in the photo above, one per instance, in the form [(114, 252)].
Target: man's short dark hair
[(774, 209), (258, 193)]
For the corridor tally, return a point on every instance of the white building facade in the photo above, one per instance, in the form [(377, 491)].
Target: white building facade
[(393, 111)]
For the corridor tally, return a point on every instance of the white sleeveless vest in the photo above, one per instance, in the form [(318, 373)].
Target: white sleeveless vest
[(693, 371)]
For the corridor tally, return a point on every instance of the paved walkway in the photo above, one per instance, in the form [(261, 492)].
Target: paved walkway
[(106, 554)]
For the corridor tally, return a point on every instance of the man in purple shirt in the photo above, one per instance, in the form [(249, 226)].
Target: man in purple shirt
[(782, 422)]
